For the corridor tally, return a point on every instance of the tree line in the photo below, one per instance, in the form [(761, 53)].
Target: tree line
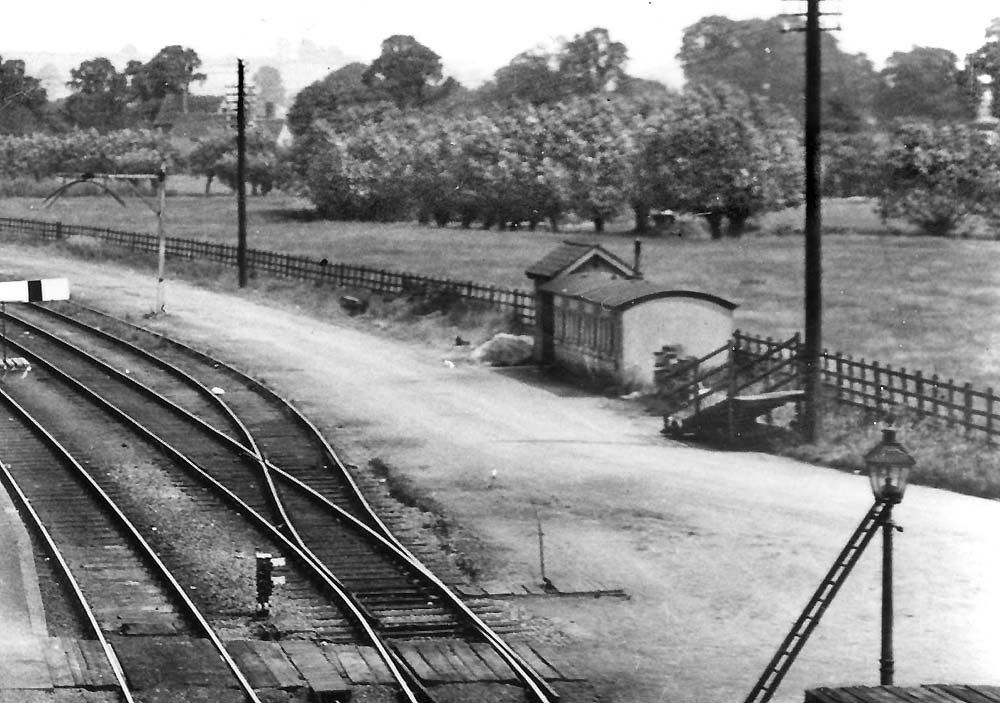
[(569, 131), (712, 150)]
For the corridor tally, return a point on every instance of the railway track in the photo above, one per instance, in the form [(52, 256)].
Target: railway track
[(118, 584), (268, 458), (182, 510)]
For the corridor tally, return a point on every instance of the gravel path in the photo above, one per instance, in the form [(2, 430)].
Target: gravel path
[(719, 551)]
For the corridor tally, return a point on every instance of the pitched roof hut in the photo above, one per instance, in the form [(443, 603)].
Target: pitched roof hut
[(594, 314)]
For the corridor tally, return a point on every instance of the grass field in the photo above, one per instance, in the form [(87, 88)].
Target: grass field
[(915, 302)]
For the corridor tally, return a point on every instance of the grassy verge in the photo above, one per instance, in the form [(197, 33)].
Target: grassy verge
[(945, 456)]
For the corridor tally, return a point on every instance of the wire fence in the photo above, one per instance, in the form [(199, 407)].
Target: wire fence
[(520, 303)]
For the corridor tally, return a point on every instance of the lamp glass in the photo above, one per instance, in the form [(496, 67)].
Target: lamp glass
[(888, 467), (888, 481)]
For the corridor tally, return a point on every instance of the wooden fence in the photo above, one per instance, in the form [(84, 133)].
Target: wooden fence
[(882, 388), (869, 385), (520, 303)]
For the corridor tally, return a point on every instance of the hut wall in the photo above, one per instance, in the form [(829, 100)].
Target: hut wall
[(697, 326), (585, 337)]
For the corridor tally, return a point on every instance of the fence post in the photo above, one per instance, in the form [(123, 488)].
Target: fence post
[(920, 392), (989, 415), (902, 388), (731, 391), (796, 351), (951, 401), (849, 377), (936, 400), (967, 407), (876, 383), (838, 360), (887, 370)]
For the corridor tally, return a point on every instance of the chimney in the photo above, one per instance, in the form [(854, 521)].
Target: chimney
[(637, 258)]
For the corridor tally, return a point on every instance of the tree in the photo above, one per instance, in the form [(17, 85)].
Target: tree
[(757, 57), (595, 146), (22, 98), (922, 83), (204, 158), (270, 88), (100, 96), (592, 63), (172, 70), (332, 98), (531, 76), (853, 164), (725, 155), (408, 72), (752, 55), (937, 176)]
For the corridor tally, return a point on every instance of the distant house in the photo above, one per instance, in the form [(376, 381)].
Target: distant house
[(594, 314), (207, 115)]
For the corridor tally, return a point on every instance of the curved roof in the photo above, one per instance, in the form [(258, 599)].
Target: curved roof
[(619, 293)]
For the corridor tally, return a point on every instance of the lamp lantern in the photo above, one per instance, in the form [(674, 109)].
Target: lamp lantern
[(888, 467)]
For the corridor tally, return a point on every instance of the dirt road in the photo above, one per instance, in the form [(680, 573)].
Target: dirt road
[(719, 551)]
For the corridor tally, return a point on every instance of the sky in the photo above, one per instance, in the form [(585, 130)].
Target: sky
[(305, 39)]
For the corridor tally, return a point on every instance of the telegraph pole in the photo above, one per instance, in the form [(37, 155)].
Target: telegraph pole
[(812, 420), (241, 174), (811, 353)]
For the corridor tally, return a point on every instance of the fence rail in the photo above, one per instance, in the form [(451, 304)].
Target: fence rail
[(857, 382), (882, 388), (521, 303)]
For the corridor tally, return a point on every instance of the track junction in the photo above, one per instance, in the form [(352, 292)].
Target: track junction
[(153, 474)]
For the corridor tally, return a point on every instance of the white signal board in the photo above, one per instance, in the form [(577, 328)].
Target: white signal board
[(35, 291)]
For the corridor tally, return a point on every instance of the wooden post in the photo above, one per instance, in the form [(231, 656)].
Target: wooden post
[(967, 407), (905, 392), (888, 385), (936, 400), (731, 392), (989, 415), (812, 420), (920, 392), (541, 546), (241, 179), (839, 366), (161, 258), (951, 400)]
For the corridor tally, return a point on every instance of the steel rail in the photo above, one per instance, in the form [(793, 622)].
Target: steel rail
[(147, 549), (409, 685), (541, 691), (252, 452), (67, 574), (539, 688)]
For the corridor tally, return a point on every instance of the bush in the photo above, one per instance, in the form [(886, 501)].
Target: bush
[(939, 176), (852, 164)]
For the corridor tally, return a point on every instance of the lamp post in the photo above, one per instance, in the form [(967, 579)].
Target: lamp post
[(888, 467)]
